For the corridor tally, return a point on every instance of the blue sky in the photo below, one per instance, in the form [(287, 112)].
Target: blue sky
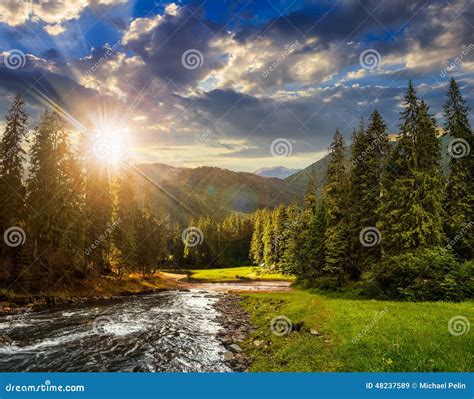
[(223, 82)]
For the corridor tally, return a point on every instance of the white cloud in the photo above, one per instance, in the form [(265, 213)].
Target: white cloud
[(52, 12), (140, 26), (54, 30)]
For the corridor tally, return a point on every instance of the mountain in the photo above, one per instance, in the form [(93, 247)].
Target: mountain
[(276, 171), (300, 179), (183, 193)]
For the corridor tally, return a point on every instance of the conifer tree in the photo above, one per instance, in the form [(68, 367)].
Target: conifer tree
[(314, 242), (413, 187), (256, 244), (369, 150), (12, 189), (54, 199), (98, 206), (459, 202), (268, 239), (126, 222), (336, 197)]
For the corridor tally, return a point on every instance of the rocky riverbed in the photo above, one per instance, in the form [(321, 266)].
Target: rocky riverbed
[(235, 329)]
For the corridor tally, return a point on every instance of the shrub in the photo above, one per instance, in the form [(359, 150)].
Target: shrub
[(424, 275)]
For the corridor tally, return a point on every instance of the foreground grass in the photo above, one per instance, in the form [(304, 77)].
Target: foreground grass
[(357, 335), (236, 274)]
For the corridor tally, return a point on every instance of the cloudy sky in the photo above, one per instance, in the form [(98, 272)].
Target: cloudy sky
[(236, 84)]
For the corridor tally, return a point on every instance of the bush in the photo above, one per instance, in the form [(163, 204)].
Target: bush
[(424, 275)]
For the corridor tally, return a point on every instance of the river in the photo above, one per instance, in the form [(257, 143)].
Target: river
[(166, 331)]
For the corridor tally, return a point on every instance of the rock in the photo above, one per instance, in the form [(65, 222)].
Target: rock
[(297, 326), (257, 342), (227, 340), (327, 341), (314, 332), (228, 356), (235, 348)]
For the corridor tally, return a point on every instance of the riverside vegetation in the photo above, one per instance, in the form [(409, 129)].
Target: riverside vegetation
[(391, 223)]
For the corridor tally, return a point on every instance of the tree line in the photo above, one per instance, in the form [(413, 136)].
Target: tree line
[(389, 222), (67, 216)]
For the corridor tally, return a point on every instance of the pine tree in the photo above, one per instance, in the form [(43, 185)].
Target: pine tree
[(336, 197), (459, 202), (311, 196), (98, 205), (268, 239), (293, 261), (126, 220), (314, 243), (54, 200), (256, 244), (12, 188), (413, 187), (369, 150)]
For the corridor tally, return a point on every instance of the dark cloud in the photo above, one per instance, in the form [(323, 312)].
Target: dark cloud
[(162, 48)]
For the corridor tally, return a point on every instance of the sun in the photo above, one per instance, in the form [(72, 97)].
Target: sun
[(111, 145)]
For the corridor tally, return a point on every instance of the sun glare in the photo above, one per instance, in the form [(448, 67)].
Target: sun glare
[(111, 145)]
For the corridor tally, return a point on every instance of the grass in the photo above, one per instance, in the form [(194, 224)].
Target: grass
[(236, 274), (357, 335)]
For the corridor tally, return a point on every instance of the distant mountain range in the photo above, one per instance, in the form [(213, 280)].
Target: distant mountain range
[(276, 171), (182, 193)]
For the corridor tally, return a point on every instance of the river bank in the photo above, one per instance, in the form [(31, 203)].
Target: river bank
[(103, 288)]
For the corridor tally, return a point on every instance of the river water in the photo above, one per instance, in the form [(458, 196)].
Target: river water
[(167, 331)]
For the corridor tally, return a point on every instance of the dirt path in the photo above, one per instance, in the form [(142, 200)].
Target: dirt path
[(235, 286)]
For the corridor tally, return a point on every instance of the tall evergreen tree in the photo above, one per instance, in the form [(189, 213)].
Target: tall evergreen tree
[(126, 221), (256, 244), (459, 202), (369, 150), (12, 189), (98, 205), (54, 199), (413, 187), (336, 197)]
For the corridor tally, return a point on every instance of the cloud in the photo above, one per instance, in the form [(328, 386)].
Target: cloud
[(51, 12), (54, 30)]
